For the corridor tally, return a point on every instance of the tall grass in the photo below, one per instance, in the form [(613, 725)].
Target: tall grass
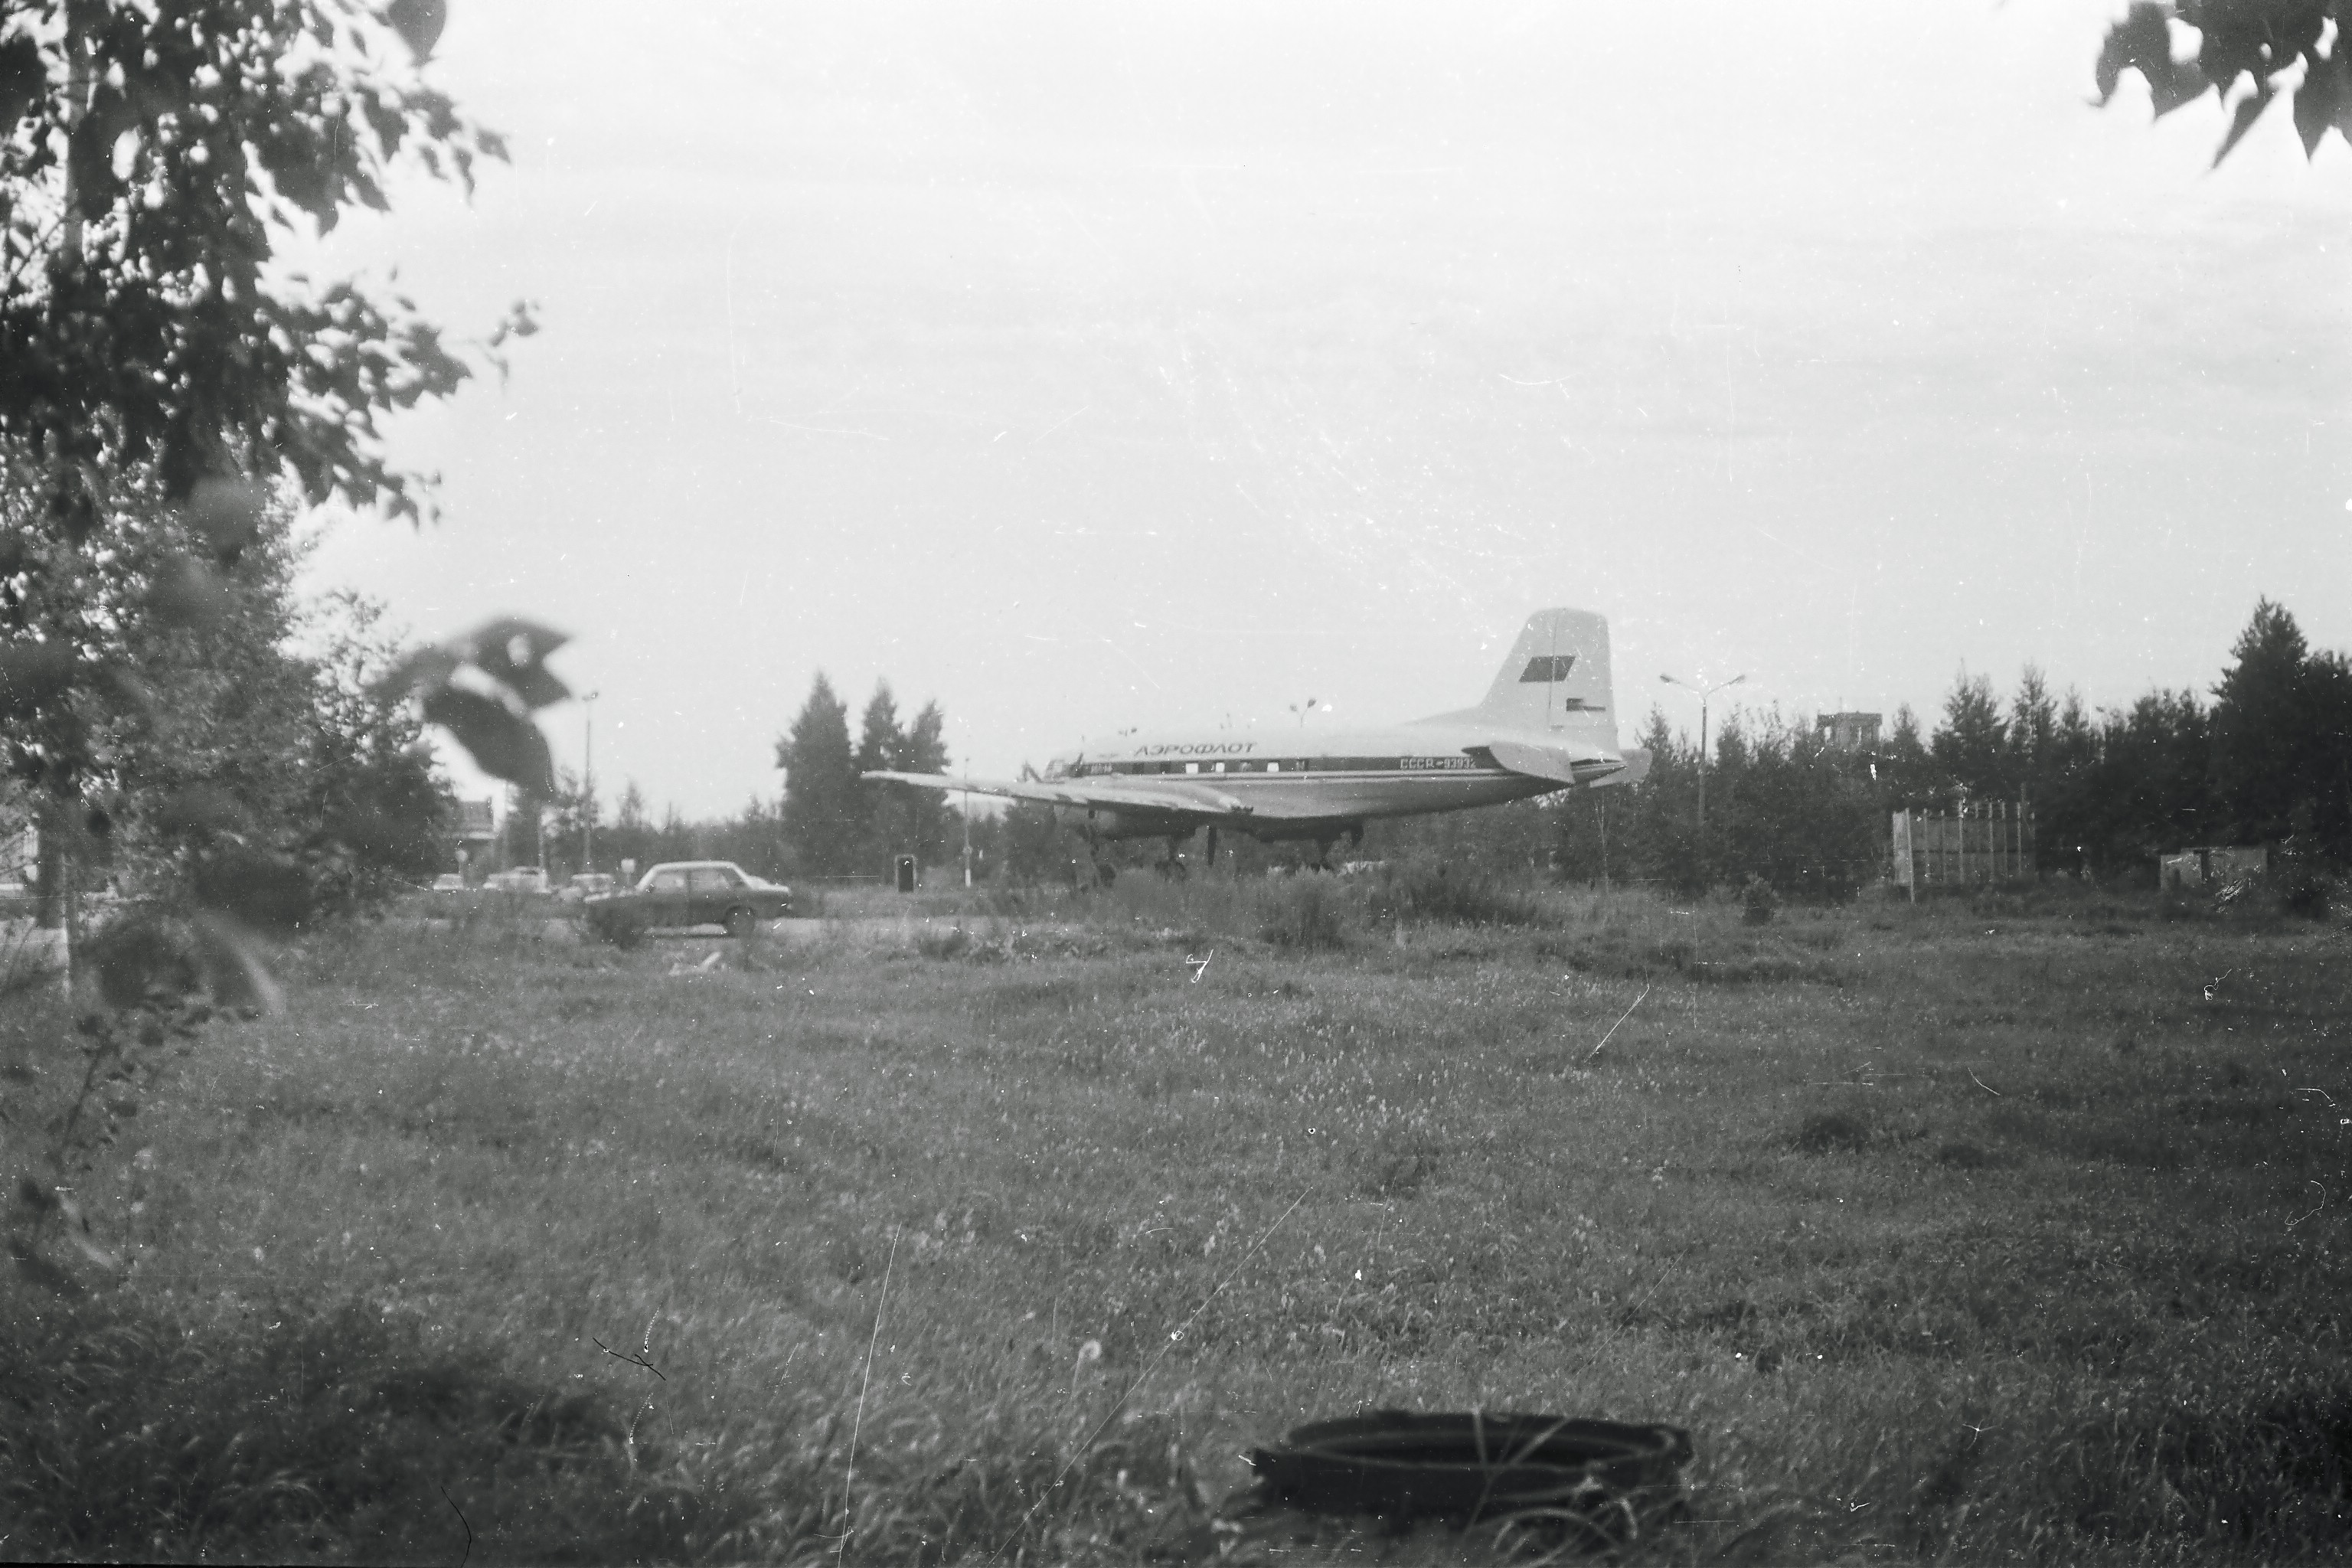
[(1962, 1238)]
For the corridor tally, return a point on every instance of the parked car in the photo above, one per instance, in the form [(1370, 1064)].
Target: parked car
[(521, 879), (694, 893), (448, 882), (586, 885)]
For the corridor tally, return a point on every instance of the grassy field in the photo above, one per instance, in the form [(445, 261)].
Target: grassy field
[(2004, 1231)]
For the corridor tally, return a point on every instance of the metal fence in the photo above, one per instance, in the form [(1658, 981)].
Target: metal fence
[(1978, 842)]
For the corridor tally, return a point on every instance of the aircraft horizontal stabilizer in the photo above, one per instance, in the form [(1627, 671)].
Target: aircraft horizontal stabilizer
[(1537, 761), (1590, 768)]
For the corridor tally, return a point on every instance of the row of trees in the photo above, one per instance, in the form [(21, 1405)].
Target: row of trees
[(2267, 759), (833, 823)]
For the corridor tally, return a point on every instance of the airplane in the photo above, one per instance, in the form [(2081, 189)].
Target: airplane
[(1544, 725)]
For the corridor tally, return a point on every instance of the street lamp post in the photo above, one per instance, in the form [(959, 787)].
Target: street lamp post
[(1303, 709), (1702, 694), (588, 787)]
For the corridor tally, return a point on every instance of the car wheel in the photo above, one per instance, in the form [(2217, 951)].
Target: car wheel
[(741, 923)]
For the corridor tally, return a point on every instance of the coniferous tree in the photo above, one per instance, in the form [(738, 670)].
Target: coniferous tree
[(2265, 749), (882, 810), (933, 828), (824, 819), (1906, 773), (2329, 692), (1970, 746), (2065, 795), (2032, 732)]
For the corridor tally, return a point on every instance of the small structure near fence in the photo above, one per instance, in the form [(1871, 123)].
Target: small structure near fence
[(2212, 866), (1978, 842)]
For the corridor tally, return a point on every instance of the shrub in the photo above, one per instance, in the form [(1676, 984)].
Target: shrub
[(1301, 915), (620, 922), (1758, 901), (1434, 894), (1834, 1133), (2304, 892), (933, 942)]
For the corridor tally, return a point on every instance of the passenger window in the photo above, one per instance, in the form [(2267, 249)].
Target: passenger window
[(711, 880), (670, 882), (1191, 767)]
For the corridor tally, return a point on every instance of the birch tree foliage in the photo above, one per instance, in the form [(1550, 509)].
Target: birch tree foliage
[(2246, 53), (155, 156)]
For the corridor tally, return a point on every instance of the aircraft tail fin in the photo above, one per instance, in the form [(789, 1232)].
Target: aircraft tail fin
[(1555, 683)]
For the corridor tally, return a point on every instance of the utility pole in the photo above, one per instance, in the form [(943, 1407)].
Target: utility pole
[(1702, 694), (588, 771)]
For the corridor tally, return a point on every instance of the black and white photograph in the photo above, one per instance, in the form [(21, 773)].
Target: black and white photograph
[(1030, 783)]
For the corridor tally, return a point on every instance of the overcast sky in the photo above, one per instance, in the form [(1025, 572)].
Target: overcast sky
[(1087, 366)]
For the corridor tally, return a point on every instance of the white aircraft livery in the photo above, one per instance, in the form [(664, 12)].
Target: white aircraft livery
[(1546, 724)]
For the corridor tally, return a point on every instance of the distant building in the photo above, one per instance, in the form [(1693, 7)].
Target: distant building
[(473, 830), (1848, 732), (2213, 865)]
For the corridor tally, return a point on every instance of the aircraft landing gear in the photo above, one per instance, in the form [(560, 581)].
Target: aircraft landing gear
[(1208, 860), (1353, 832), (1105, 873), (1174, 867)]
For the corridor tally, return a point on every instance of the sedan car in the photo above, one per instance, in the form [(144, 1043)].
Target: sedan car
[(702, 892)]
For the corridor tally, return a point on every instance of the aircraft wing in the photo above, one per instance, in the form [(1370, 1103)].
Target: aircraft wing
[(1110, 794)]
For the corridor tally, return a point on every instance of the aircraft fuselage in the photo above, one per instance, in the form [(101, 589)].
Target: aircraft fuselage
[(1303, 784)]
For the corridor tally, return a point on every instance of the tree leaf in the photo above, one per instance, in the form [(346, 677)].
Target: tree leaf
[(419, 24), (2320, 101), (426, 670), (2142, 41), (513, 651), (503, 743), (227, 512), (2250, 109), (22, 80)]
